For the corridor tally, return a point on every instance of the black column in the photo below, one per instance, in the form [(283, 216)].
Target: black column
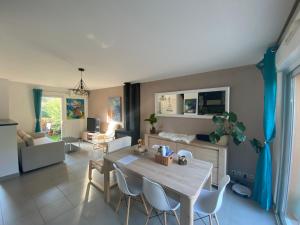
[(135, 111), (131, 95), (126, 96)]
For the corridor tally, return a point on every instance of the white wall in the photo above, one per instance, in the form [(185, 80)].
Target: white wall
[(4, 100), (21, 105), (22, 109)]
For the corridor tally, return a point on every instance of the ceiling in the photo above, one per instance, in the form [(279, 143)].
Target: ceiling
[(44, 41)]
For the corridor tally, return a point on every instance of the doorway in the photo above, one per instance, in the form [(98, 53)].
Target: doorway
[(51, 118)]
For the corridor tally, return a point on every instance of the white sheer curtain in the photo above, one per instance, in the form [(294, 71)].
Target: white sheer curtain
[(283, 147)]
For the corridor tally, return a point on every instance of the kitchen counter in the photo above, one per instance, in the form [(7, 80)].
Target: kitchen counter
[(7, 122)]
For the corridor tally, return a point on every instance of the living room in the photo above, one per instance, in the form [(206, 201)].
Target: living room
[(172, 95)]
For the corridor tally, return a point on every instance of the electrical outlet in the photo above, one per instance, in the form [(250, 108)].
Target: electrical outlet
[(239, 173)]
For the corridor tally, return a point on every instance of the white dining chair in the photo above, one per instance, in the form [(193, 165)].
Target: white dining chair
[(186, 153), (157, 198), (112, 146), (209, 202), (128, 190)]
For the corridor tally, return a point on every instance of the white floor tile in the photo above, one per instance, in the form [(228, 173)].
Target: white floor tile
[(48, 196), (60, 195), (85, 195), (16, 209), (28, 219), (55, 209)]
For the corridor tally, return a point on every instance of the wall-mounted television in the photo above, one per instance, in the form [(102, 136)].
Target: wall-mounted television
[(93, 125)]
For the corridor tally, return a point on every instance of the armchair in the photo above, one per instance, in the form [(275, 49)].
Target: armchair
[(100, 140)]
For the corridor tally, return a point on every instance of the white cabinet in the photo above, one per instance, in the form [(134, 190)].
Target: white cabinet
[(8, 149), (205, 151)]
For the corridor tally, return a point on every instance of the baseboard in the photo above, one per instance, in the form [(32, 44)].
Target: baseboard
[(8, 177)]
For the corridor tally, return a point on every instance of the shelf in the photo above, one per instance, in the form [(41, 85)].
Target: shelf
[(186, 116), (174, 104)]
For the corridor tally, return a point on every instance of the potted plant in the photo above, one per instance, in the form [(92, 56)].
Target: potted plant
[(152, 120), (227, 125)]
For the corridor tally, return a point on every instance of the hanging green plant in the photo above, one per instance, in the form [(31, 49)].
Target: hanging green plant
[(227, 125), (257, 145)]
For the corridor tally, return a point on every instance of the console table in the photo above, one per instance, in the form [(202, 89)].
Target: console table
[(202, 150), (88, 136)]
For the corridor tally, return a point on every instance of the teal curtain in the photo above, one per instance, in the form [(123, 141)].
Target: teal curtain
[(37, 100), (262, 192)]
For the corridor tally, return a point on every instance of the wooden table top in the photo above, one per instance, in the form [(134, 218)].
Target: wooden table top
[(187, 179)]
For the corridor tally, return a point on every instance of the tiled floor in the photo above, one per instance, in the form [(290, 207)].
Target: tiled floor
[(61, 195)]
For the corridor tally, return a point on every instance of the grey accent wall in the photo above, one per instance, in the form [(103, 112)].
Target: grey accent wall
[(246, 100)]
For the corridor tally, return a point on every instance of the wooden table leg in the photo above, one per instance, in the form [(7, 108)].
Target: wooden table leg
[(106, 181), (208, 183), (186, 210)]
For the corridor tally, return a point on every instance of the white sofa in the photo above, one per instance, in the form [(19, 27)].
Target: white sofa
[(36, 151)]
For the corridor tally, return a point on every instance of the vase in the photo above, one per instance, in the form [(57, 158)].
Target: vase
[(152, 130), (223, 140)]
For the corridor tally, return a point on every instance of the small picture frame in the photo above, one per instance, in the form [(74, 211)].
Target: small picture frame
[(190, 106)]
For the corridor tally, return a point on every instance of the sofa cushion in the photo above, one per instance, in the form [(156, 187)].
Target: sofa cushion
[(21, 142), (37, 135), (42, 141), (21, 133), (28, 140)]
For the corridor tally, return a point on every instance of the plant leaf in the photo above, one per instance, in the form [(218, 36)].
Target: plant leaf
[(236, 141), (241, 137), (214, 119), (257, 145), (240, 127), (225, 114), (232, 117), (220, 131), (152, 119), (218, 120), (214, 138)]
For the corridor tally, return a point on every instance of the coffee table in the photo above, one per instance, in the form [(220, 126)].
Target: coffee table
[(69, 144)]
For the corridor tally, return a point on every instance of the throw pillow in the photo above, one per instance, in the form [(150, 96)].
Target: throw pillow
[(21, 133), (21, 143), (28, 140)]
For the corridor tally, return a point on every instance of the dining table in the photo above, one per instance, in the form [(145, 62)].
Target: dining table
[(186, 181)]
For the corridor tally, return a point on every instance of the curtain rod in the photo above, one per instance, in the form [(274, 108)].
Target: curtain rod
[(287, 22)]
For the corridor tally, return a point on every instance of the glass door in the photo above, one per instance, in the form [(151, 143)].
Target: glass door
[(293, 196), (51, 119), (288, 203)]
